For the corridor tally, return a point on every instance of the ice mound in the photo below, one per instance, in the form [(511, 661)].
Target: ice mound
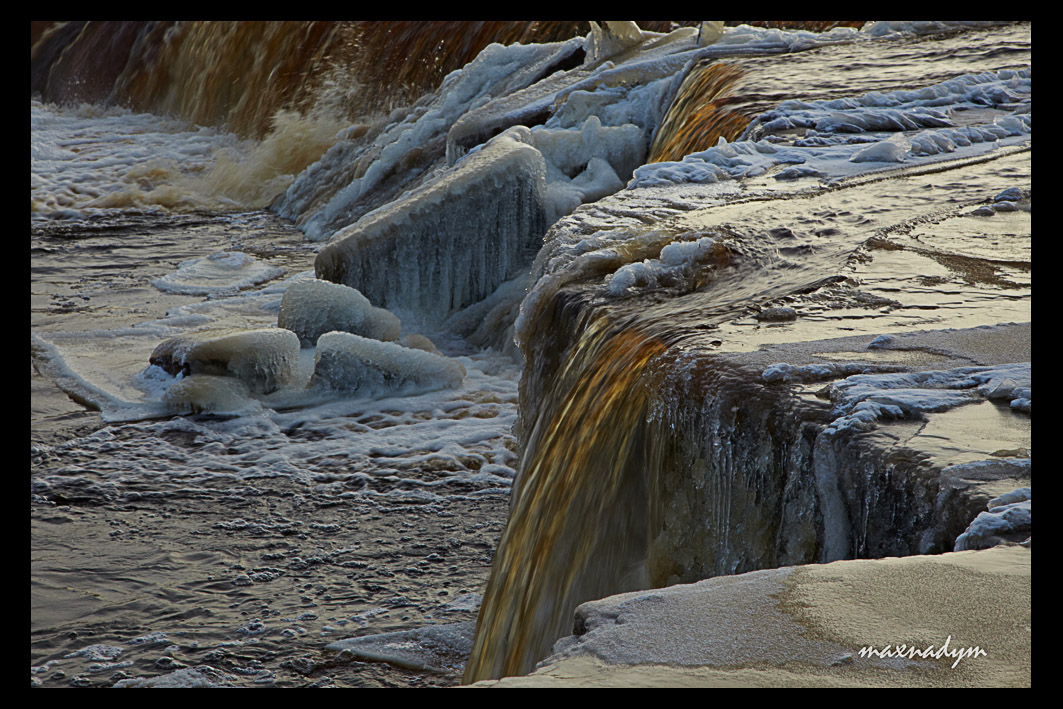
[(675, 258), (450, 243), (264, 360), (222, 273), (884, 151), (204, 393), (311, 308), (365, 367)]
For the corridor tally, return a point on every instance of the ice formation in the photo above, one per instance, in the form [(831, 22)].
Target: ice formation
[(222, 273), (364, 367), (861, 400), (675, 258), (264, 360), (310, 308), (1008, 516), (204, 393), (328, 197), (452, 242), (861, 130)]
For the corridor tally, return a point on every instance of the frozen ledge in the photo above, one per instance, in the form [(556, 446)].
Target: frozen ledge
[(964, 620)]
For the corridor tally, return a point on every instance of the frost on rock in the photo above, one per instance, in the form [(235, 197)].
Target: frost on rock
[(364, 367), (264, 360), (450, 243), (310, 308)]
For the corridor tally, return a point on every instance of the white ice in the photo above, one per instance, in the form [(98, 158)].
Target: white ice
[(364, 367), (222, 273), (312, 307)]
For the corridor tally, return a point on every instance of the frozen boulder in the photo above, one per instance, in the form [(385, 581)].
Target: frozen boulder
[(313, 307), (365, 367), (204, 393), (264, 360)]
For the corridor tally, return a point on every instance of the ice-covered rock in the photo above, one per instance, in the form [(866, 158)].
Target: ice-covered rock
[(264, 360), (310, 308), (1008, 517), (587, 164), (203, 393), (353, 178), (452, 242), (364, 367)]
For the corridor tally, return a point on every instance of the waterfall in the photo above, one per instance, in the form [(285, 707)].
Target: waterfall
[(740, 301)]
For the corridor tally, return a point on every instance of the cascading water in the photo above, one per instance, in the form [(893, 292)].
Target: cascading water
[(755, 275)]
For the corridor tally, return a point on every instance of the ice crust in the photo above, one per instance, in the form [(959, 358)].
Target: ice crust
[(310, 308), (365, 367), (863, 399)]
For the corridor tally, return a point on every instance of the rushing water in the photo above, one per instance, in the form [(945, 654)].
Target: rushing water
[(185, 176)]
